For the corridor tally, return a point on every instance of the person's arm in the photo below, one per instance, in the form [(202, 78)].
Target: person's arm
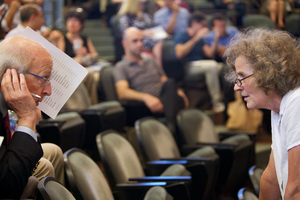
[(269, 188), (292, 190), (185, 99), (181, 50), (18, 161), (163, 79), (211, 50), (126, 93), (171, 24), (220, 50), (57, 38), (92, 50), (14, 7)]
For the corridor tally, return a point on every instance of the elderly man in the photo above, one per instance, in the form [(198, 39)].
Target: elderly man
[(25, 69), (139, 78)]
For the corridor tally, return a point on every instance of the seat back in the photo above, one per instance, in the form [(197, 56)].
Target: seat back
[(246, 194), (72, 131), (106, 84), (255, 173), (212, 169), (258, 21), (119, 157), (155, 139), (292, 23), (157, 193), (241, 161), (78, 100), (52, 189), (196, 126), (86, 174), (173, 67)]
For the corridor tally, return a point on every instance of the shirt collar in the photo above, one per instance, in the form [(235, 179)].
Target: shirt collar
[(131, 63), (284, 101)]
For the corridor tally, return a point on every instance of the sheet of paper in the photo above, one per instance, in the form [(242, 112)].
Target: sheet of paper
[(158, 32), (67, 74)]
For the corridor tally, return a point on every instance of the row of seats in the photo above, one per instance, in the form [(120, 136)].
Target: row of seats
[(246, 193), (213, 167)]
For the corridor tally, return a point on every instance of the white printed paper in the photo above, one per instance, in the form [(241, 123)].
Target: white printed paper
[(67, 74), (158, 32)]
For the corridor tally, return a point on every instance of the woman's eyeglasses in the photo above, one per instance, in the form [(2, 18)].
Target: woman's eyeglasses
[(239, 81)]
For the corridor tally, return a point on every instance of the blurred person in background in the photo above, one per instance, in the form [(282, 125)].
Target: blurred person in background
[(132, 15)]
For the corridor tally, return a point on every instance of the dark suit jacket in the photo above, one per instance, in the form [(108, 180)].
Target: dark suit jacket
[(17, 162)]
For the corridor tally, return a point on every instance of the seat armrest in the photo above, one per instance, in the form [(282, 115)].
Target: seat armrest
[(47, 123), (216, 146), (168, 179), (137, 191), (157, 167), (227, 134)]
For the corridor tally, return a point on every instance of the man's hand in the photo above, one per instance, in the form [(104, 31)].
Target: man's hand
[(201, 33), (19, 99), (217, 30), (153, 103), (185, 99), (175, 7)]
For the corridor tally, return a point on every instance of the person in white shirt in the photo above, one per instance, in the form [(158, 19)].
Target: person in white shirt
[(266, 72)]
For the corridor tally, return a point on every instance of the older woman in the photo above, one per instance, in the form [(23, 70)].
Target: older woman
[(266, 68)]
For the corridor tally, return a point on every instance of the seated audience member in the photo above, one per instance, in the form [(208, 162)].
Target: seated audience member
[(11, 16), (139, 78), (172, 17), (189, 46), (31, 15), (79, 47), (132, 15), (21, 62), (218, 28)]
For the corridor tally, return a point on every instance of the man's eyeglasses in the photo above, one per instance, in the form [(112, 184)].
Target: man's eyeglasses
[(239, 81), (47, 81)]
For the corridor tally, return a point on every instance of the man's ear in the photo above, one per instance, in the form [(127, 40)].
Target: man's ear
[(123, 43), (32, 17)]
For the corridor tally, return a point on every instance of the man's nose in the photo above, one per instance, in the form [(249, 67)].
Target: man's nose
[(48, 90)]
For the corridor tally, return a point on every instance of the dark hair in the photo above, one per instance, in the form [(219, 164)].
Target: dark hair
[(77, 12), (27, 11), (217, 16), (197, 17)]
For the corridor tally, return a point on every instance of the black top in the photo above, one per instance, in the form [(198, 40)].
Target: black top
[(69, 46)]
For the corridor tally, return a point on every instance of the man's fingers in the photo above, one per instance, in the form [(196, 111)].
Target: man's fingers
[(15, 80), (23, 83), (6, 81)]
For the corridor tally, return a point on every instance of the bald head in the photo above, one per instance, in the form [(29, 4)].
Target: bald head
[(133, 42), (19, 52), (132, 32)]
